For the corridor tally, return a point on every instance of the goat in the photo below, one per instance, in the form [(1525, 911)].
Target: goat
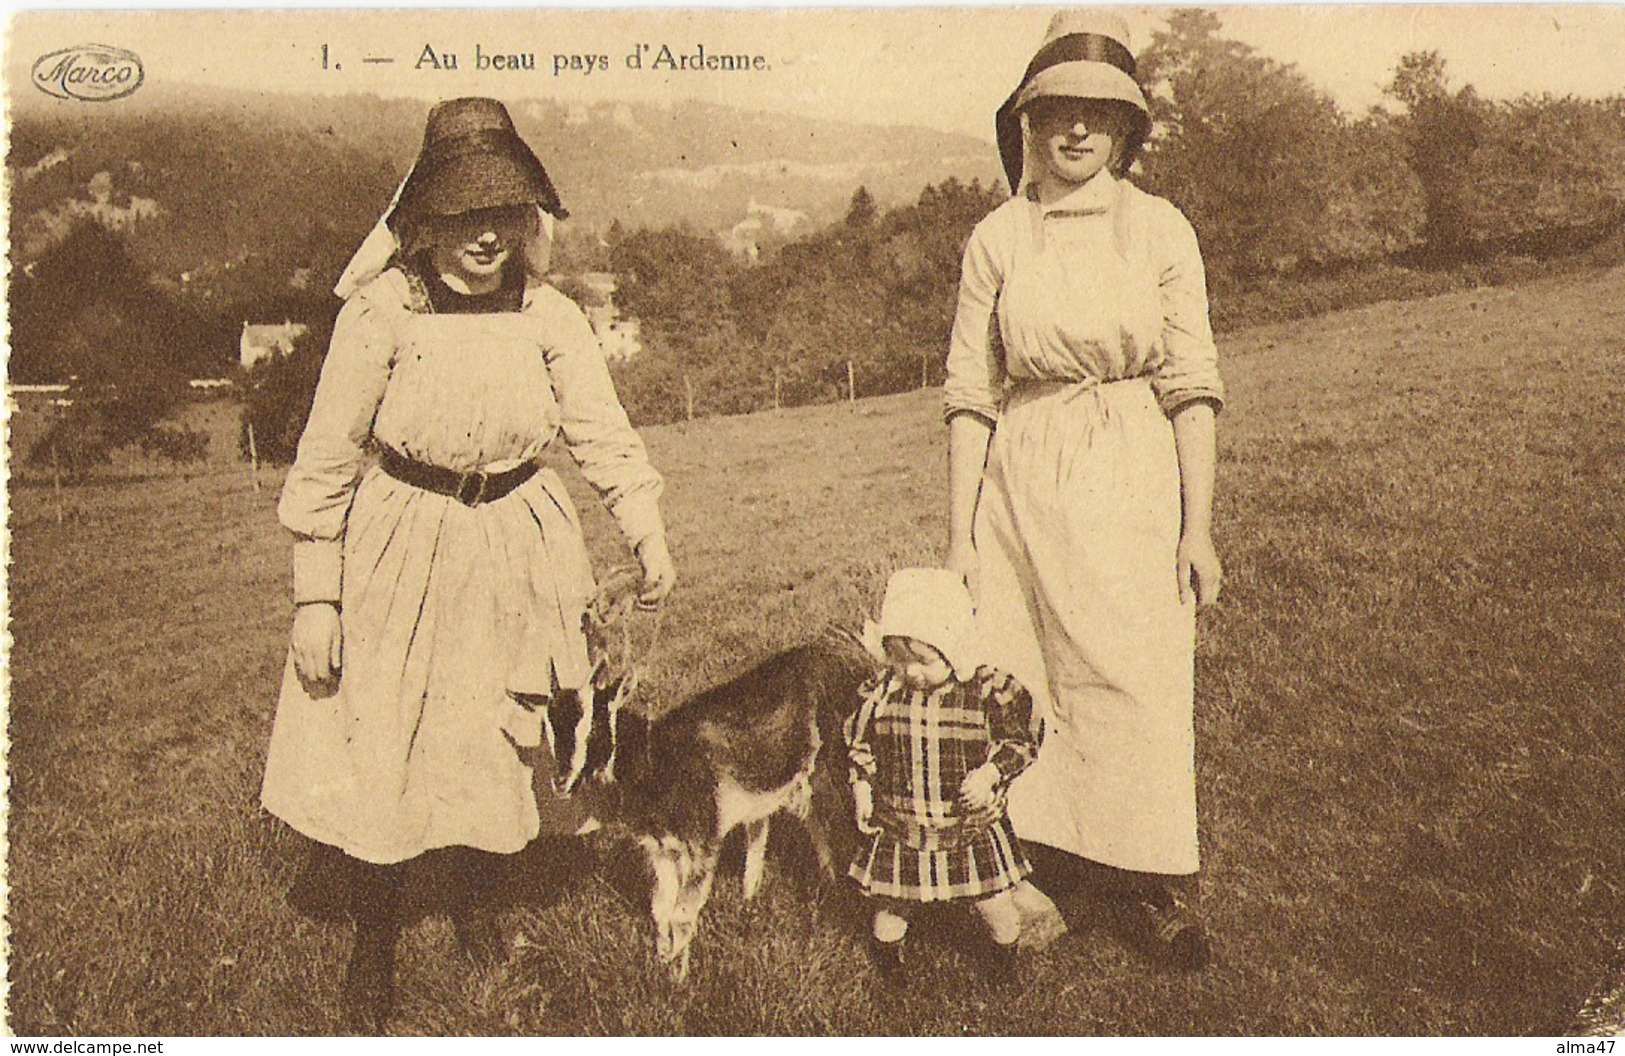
[(730, 757)]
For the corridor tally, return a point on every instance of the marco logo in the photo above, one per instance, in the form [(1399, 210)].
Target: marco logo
[(92, 73)]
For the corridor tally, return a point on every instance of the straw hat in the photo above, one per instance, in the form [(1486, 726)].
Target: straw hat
[(473, 158), (932, 605), (1085, 55)]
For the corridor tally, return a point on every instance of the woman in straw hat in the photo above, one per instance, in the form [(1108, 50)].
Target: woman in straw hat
[(442, 588), (1081, 397)]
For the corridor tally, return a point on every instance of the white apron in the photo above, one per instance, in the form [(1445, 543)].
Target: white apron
[(1076, 531), (448, 612)]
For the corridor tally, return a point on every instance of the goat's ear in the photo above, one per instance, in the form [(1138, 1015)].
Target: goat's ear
[(547, 731), (569, 727), (597, 638)]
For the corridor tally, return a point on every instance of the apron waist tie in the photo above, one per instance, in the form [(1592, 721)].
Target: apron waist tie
[(1024, 389)]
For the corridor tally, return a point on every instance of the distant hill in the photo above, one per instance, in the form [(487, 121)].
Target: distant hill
[(224, 192)]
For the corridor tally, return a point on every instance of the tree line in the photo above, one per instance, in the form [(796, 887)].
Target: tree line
[(1279, 182), (1282, 186)]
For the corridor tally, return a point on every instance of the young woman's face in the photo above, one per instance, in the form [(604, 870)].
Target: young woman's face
[(476, 245), (918, 664), (1077, 137)]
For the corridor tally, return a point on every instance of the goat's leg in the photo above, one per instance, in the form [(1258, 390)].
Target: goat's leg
[(755, 855), (813, 804), (683, 871), (691, 899), (818, 836), (663, 863)]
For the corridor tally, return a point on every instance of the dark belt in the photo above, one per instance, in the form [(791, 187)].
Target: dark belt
[(470, 489)]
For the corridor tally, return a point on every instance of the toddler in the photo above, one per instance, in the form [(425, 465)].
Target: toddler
[(934, 745)]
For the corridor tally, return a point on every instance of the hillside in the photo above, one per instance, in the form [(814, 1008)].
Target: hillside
[(231, 184)]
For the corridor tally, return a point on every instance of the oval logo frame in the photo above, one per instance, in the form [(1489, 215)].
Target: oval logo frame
[(89, 73)]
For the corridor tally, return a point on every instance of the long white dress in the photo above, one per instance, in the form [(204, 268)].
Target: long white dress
[(1080, 326), (450, 613)]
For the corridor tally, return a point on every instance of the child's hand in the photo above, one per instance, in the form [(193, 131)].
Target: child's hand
[(864, 798), (979, 791)]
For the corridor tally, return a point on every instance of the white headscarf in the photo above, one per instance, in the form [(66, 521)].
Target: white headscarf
[(381, 246)]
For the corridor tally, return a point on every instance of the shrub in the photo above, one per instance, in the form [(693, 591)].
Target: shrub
[(75, 443), (277, 398), (101, 420)]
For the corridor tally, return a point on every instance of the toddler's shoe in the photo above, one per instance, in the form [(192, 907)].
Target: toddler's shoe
[(889, 960), (1041, 921), (1174, 933)]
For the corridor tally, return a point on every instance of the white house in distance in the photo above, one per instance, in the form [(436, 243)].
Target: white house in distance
[(618, 337), (744, 238), (264, 342)]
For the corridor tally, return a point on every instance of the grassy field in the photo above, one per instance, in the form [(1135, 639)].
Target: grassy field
[(1410, 759)]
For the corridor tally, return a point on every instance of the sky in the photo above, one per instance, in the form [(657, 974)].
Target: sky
[(943, 68)]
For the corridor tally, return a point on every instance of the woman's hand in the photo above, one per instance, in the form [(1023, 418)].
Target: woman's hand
[(968, 438), (1200, 574), (1197, 562), (316, 642), (659, 574)]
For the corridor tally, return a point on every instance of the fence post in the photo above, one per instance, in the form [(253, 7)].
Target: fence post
[(56, 483), (851, 384), (776, 403), (688, 388), (253, 458)]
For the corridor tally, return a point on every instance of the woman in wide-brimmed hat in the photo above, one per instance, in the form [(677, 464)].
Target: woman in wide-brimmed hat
[(1081, 397), (439, 592)]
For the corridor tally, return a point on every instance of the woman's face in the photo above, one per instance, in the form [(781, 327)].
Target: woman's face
[(476, 245), (1077, 137)]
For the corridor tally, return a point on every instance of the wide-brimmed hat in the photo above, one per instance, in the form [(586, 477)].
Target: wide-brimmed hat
[(473, 158), (932, 605), (1085, 55)]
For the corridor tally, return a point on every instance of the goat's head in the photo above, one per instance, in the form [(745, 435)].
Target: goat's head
[(584, 725), (584, 728)]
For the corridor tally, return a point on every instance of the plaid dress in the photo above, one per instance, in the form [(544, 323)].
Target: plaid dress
[(915, 747)]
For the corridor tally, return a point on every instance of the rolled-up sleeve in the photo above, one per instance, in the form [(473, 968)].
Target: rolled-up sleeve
[(315, 500), (976, 367), (601, 439), (1190, 362)]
